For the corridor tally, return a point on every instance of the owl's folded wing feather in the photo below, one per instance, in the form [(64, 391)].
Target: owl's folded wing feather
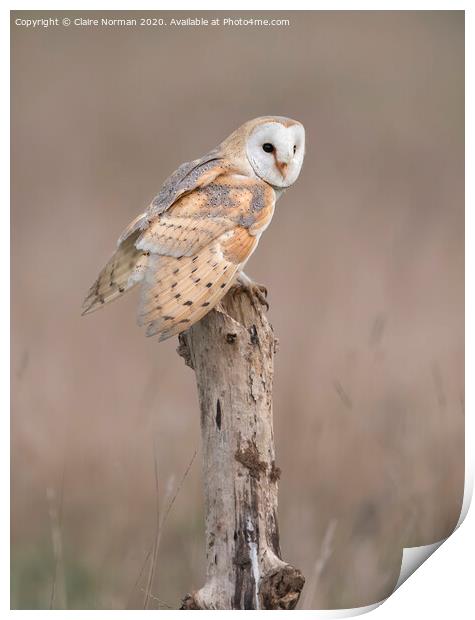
[(174, 235), (123, 270), (178, 292)]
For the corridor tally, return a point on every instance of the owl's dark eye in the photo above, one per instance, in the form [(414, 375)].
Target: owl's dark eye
[(295, 148), (268, 147)]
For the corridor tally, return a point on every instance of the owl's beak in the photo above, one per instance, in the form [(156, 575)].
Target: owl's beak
[(282, 167)]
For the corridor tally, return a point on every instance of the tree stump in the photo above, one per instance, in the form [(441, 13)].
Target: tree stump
[(232, 352)]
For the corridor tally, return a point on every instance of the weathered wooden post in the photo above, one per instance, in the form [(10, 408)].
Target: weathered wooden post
[(232, 353)]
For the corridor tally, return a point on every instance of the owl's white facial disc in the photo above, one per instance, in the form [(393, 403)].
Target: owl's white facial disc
[(276, 152)]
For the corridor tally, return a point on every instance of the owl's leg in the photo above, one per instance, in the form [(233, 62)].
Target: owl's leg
[(252, 288)]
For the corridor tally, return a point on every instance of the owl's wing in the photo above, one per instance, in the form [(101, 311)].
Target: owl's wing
[(125, 267), (195, 250)]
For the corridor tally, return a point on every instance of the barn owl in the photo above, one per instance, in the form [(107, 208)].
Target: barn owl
[(191, 244)]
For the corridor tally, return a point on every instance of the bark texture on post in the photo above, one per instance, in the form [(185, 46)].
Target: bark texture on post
[(231, 351)]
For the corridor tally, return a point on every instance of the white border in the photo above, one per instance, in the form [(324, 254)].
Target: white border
[(442, 586)]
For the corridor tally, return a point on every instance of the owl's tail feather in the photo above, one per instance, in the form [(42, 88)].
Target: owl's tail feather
[(123, 271)]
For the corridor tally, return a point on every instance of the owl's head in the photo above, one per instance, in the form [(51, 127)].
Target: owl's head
[(275, 148)]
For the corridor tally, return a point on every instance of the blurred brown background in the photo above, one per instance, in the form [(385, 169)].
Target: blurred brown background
[(364, 263)]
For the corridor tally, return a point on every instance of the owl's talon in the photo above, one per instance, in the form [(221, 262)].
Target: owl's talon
[(235, 288), (260, 292), (263, 289), (253, 291)]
